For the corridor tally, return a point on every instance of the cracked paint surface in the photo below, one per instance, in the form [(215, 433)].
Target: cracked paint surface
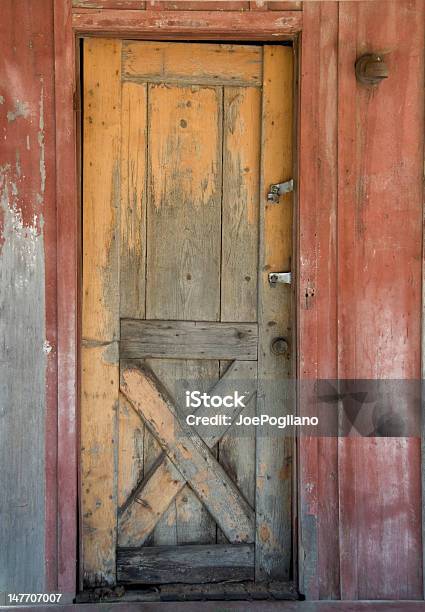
[(26, 350)]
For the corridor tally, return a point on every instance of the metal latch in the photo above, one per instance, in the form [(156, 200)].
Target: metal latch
[(279, 189), (280, 277)]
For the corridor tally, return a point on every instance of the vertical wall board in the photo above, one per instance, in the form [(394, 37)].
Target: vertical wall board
[(379, 297), (273, 544), (317, 342), (67, 300), (27, 297), (100, 306)]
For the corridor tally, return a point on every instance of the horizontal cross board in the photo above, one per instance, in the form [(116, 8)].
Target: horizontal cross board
[(189, 564), (188, 340)]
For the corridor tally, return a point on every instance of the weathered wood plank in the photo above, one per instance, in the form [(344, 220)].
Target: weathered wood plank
[(198, 5), (154, 495), (133, 200), (185, 521), (192, 457), (131, 446), (252, 25), (378, 324), (189, 564), (28, 285), (101, 191), (100, 320), (241, 165), (99, 405), (183, 252), (188, 340), (274, 453), (109, 4), (239, 280), (197, 63)]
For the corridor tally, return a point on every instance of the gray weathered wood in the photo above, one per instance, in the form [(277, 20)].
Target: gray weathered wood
[(239, 283), (273, 552), (133, 200), (156, 492), (190, 455), (187, 564), (188, 340), (184, 203), (185, 521), (241, 161), (183, 241)]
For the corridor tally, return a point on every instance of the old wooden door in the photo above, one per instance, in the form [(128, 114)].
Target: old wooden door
[(181, 142)]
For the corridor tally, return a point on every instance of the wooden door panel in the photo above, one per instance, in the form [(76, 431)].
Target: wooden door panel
[(184, 203), (181, 144), (197, 63)]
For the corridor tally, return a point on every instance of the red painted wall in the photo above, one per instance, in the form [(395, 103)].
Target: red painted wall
[(361, 226), (360, 232)]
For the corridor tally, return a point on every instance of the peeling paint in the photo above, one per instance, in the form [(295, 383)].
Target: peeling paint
[(1, 99), (22, 383), (21, 110)]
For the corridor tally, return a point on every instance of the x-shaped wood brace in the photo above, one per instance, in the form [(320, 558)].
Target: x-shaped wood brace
[(187, 459)]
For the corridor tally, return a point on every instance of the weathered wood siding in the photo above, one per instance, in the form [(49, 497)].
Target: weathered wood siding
[(360, 290), (380, 139), (27, 297)]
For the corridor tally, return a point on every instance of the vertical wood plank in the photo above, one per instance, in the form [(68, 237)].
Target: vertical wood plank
[(184, 208), (183, 239), (102, 119), (68, 235), (133, 201), (274, 454), (186, 521), (100, 322), (378, 326), (131, 450), (317, 296), (239, 272), (241, 165)]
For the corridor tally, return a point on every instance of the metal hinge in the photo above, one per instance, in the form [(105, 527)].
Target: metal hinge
[(278, 189), (280, 277)]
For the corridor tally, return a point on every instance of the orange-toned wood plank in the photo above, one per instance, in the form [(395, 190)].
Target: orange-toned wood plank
[(193, 63), (101, 189), (275, 319), (100, 321), (99, 405)]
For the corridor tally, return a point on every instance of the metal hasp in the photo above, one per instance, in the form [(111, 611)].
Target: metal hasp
[(279, 189), (280, 277)]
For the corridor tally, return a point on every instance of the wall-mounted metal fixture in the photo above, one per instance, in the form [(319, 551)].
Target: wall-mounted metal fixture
[(371, 69), (280, 277), (278, 189)]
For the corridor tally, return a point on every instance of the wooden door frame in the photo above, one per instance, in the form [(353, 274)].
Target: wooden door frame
[(315, 202)]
